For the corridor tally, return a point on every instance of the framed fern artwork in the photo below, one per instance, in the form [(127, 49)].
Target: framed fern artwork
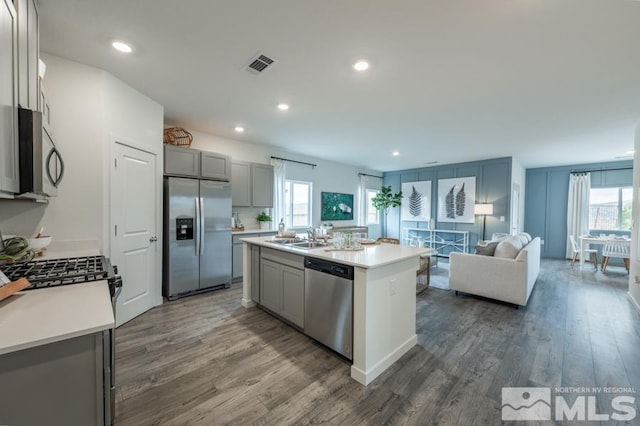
[(416, 201), (456, 200)]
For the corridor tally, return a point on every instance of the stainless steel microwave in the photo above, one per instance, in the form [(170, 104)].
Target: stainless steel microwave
[(41, 165)]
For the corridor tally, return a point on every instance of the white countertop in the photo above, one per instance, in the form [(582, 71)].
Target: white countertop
[(372, 256), (37, 317)]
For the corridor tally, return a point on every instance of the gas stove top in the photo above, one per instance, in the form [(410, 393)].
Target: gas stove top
[(71, 270)]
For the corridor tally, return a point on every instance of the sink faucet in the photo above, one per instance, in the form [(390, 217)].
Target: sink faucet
[(311, 233)]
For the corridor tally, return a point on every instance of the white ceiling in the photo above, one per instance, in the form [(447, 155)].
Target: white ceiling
[(549, 82)]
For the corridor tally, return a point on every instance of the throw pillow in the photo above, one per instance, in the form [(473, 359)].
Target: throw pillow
[(487, 249), (528, 237), (508, 248)]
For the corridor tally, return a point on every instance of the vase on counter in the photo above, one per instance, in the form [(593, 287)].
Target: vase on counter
[(265, 226)]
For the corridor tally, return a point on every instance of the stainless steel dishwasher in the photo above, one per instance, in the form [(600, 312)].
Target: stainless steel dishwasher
[(328, 304)]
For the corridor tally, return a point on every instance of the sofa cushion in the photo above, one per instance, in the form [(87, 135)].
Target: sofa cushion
[(508, 248), (486, 248), (499, 236), (526, 234), (524, 240)]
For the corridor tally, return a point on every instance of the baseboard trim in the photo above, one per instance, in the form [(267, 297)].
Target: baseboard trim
[(367, 377), (247, 303), (633, 302)]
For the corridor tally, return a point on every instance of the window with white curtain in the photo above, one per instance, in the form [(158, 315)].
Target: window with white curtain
[(372, 215), (297, 195), (610, 208)]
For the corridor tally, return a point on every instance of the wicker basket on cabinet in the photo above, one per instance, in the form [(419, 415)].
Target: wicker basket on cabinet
[(177, 136)]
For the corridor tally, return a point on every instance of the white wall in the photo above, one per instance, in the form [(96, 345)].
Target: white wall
[(634, 274), (90, 109), (75, 95), (519, 177), (328, 176)]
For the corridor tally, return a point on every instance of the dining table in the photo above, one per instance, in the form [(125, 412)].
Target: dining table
[(587, 240)]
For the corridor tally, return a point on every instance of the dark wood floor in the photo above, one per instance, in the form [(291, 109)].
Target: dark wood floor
[(206, 360)]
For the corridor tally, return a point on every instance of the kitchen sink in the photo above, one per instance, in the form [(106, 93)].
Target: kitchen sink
[(307, 244), (285, 241)]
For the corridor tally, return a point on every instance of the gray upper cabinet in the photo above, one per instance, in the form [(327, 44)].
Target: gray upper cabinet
[(261, 185), (181, 161), (241, 184), (28, 54), (252, 184), (215, 166), (9, 173)]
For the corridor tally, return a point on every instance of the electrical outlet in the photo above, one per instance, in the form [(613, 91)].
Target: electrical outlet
[(393, 287), (541, 241), (501, 218)]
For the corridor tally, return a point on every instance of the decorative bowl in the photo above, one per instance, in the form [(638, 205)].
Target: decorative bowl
[(39, 243)]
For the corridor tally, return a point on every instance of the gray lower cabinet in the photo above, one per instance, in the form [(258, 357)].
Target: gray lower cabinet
[(238, 257), (9, 172), (251, 184), (271, 285), (179, 161), (282, 285), (237, 260), (61, 383), (293, 295)]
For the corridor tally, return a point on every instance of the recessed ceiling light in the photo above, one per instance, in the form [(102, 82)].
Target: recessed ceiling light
[(361, 66), (395, 153), (121, 47), (239, 129), (283, 107), (631, 152)]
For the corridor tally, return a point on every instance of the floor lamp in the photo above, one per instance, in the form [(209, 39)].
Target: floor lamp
[(484, 210)]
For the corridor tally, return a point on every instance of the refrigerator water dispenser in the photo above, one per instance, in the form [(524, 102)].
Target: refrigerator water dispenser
[(184, 228)]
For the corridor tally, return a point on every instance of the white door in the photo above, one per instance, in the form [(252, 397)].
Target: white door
[(515, 209), (134, 246)]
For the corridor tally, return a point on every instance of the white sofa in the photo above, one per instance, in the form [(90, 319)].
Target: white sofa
[(507, 279)]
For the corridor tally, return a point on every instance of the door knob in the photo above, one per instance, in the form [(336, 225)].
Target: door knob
[(153, 239)]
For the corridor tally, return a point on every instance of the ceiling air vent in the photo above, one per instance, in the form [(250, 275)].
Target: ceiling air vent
[(260, 63)]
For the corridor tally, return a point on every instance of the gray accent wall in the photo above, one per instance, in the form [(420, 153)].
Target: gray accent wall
[(546, 199), (493, 185)]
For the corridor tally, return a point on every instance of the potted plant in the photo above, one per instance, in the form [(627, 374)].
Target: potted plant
[(264, 220), (385, 200)]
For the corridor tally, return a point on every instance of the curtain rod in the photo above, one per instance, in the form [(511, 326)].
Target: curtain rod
[(366, 174), (600, 170), (295, 161)]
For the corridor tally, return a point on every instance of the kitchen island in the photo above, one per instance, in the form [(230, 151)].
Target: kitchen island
[(384, 298)]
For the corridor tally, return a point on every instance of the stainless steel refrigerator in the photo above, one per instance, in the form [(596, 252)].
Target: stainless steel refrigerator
[(197, 236)]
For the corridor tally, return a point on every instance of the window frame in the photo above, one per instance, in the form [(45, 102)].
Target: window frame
[(619, 206), (368, 206), (289, 202)]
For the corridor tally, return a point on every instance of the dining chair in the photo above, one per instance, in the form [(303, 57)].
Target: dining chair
[(576, 252), (619, 249)]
